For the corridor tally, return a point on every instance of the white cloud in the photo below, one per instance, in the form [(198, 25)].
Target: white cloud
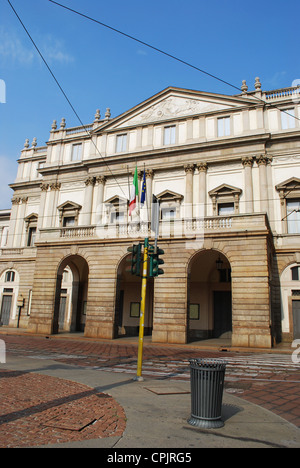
[(14, 50), (53, 50), (11, 48)]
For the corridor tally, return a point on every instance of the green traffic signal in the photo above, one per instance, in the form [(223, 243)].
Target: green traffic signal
[(135, 260), (155, 261)]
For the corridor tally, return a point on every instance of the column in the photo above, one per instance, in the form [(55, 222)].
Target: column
[(189, 171), (13, 220), (88, 201), (51, 215), (100, 183), (262, 162), (44, 188), (202, 168), (18, 238), (248, 163)]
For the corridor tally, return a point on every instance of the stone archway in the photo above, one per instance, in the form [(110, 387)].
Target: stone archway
[(71, 295), (127, 305), (209, 311)]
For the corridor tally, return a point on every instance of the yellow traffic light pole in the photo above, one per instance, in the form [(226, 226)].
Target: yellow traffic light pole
[(142, 311)]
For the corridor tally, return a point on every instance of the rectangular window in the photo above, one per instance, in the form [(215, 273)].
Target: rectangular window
[(121, 143), (10, 277), (225, 209), (76, 152), (69, 221), (134, 309), (224, 126), (168, 214), (170, 135), (295, 273), (194, 312), (117, 217), (288, 119), (293, 216), (31, 237)]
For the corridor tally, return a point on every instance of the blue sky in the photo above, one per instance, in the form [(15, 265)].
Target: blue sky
[(98, 68)]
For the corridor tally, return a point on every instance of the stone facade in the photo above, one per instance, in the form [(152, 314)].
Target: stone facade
[(226, 170)]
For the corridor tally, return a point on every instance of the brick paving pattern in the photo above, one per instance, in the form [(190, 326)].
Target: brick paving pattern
[(39, 410), (269, 380)]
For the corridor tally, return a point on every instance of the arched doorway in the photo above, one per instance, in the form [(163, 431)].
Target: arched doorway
[(9, 288), (128, 302), (71, 295), (290, 302), (209, 296)]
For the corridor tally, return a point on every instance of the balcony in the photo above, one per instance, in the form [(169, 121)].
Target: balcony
[(191, 228)]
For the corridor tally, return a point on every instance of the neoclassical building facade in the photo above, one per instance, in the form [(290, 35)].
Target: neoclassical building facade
[(226, 170)]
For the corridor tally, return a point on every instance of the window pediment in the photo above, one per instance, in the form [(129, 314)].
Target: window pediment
[(116, 201), (290, 188), (225, 190), (69, 209), (169, 196), (31, 220), (225, 195)]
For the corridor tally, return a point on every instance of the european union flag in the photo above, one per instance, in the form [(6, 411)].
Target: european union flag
[(143, 195)]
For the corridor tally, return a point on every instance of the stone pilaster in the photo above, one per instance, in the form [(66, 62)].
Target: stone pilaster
[(248, 163), (189, 171), (202, 168), (88, 201)]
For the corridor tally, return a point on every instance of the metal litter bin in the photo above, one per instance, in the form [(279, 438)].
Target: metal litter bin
[(207, 384)]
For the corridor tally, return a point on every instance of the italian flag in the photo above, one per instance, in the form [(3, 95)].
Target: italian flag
[(134, 192)]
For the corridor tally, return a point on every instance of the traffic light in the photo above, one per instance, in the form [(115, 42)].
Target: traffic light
[(135, 260), (155, 261)]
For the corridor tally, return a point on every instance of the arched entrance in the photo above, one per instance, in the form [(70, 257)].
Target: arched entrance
[(128, 302), (71, 295), (209, 296), (290, 302)]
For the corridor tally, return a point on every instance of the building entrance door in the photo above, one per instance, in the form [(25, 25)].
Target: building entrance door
[(62, 312), (5, 309), (222, 314), (296, 318)]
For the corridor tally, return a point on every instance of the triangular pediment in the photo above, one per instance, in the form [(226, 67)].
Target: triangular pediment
[(173, 103), (68, 206), (224, 190), (116, 200), (168, 195), (289, 185)]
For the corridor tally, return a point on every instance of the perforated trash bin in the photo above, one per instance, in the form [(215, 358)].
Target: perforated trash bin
[(207, 384)]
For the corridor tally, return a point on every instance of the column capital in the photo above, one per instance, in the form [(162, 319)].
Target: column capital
[(247, 161), (15, 200), (101, 179), (55, 186), (90, 181), (149, 173), (44, 187), (263, 160), (202, 166), (189, 168)]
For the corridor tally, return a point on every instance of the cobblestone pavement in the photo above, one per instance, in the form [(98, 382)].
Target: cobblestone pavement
[(270, 380), (38, 410)]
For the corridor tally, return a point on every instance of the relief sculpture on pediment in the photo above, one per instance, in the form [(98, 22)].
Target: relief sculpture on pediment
[(175, 107)]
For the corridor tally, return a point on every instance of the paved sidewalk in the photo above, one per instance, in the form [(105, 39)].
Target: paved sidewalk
[(268, 379), (85, 407)]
